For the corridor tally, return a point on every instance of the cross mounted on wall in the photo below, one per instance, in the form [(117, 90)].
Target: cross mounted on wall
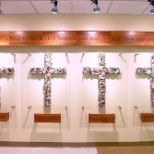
[(48, 70), (101, 72), (149, 71)]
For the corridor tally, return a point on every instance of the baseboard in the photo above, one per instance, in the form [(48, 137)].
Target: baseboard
[(83, 144)]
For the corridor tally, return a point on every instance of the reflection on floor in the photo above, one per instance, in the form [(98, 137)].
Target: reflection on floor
[(48, 150), (126, 150), (78, 150)]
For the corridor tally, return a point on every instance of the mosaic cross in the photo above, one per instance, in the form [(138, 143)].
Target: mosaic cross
[(149, 71), (48, 70), (101, 72)]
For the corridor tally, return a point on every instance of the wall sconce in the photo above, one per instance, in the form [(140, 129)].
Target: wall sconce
[(13, 106), (13, 54), (29, 107)]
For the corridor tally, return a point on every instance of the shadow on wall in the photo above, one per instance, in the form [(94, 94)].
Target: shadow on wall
[(46, 109), (142, 76), (136, 117), (99, 135), (4, 131), (147, 132), (102, 110), (8, 77), (152, 109), (51, 135), (41, 76), (121, 120)]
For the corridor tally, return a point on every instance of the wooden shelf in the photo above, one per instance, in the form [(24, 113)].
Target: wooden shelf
[(43, 117), (4, 116), (101, 118), (147, 117), (79, 38)]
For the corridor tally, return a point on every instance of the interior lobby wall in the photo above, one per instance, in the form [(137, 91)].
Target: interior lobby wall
[(73, 90)]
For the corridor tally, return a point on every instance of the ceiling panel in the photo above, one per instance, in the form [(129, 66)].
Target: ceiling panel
[(128, 7), (82, 7), (17, 7), (46, 6), (87, 7), (75, 6), (147, 10), (65, 6)]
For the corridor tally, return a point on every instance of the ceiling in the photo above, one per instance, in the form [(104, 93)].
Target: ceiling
[(75, 6)]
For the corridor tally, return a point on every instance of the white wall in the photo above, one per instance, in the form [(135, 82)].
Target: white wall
[(77, 22), (74, 91)]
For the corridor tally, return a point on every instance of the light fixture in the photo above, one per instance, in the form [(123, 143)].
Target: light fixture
[(152, 8), (96, 8), (54, 10), (0, 10)]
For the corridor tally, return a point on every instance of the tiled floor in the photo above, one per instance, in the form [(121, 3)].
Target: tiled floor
[(48, 150)]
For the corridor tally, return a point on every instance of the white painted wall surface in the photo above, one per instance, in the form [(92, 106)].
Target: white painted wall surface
[(76, 22)]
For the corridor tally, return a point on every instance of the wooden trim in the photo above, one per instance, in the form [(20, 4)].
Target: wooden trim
[(4, 117), (101, 118), (76, 38), (47, 117), (74, 144), (147, 117)]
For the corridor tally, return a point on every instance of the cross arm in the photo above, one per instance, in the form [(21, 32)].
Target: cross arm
[(143, 70), (7, 71), (90, 71), (58, 70), (37, 70), (112, 70), (96, 71)]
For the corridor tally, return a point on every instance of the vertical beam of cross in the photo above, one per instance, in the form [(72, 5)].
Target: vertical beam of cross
[(47, 71), (149, 71), (101, 72)]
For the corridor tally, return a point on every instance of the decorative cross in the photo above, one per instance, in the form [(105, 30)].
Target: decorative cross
[(149, 71), (8, 71), (47, 71), (101, 71)]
